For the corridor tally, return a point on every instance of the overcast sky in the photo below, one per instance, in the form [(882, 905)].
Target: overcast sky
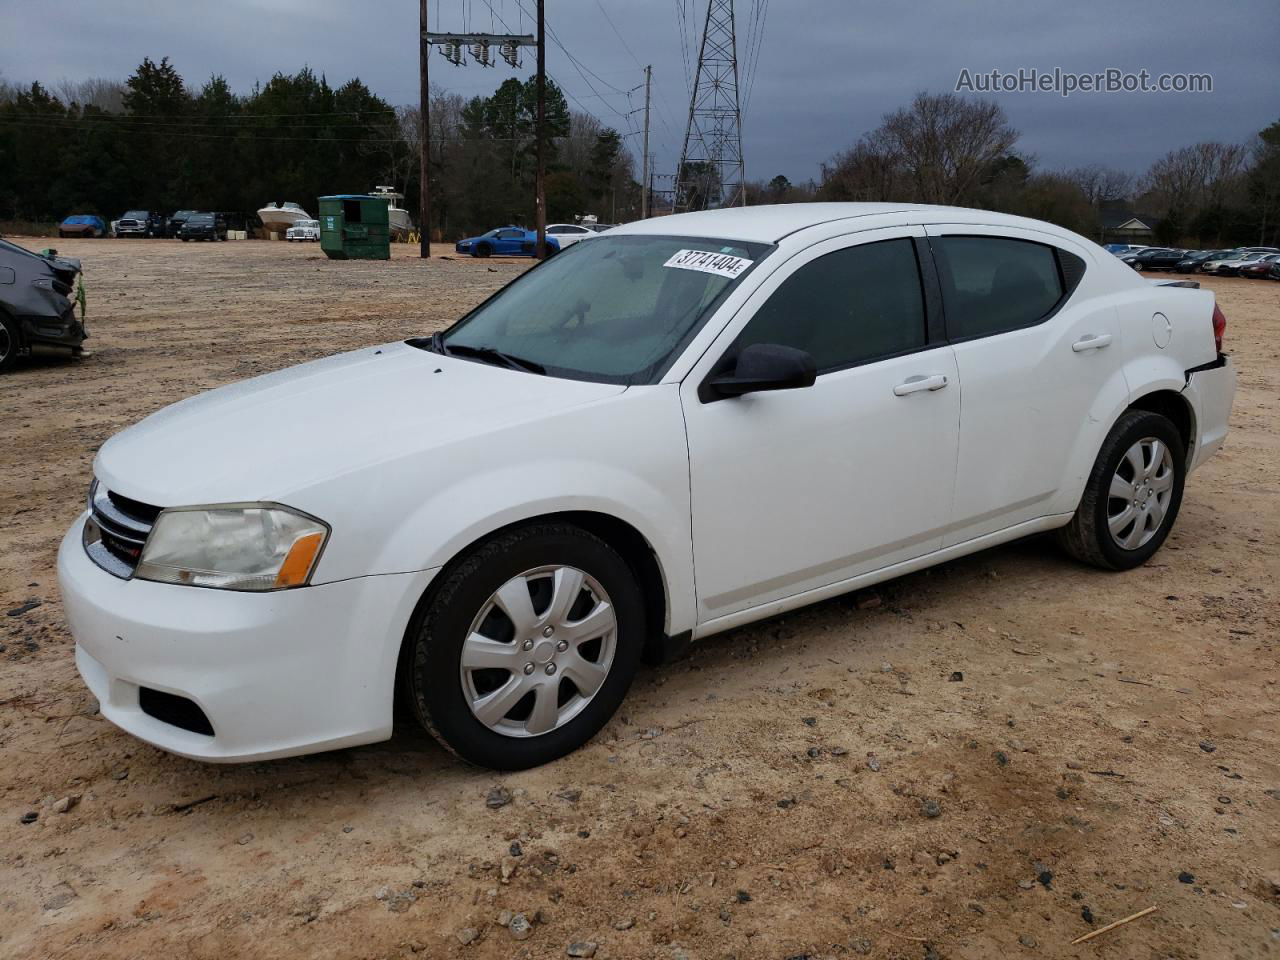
[(827, 71)]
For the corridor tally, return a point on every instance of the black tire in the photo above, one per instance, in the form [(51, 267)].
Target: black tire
[(431, 667), (1088, 537), (10, 343), (482, 250)]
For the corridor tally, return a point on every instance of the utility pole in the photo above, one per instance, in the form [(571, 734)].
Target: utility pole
[(541, 214), (712, 172), (644, 194), (424, 112), (481, 46)]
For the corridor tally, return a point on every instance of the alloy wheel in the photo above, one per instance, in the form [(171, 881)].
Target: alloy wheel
[(538, 651), (1141, 490)]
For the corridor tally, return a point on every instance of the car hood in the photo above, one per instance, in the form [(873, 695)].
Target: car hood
[(270, 437)]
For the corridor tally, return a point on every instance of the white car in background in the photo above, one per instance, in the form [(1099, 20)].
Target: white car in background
[(303, 230), (568, 233), (688, 424)]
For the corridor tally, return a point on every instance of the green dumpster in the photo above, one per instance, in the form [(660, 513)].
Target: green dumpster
[(355, 226)]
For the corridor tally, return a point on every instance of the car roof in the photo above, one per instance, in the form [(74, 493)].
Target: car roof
[(770, 223)]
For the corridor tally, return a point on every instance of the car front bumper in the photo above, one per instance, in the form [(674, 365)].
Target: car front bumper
[(276, 674)]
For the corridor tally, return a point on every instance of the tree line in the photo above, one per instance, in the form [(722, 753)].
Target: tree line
[(154, 142), (947, 149)]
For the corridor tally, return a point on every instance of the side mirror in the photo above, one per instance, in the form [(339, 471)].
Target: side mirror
[(767, 366)]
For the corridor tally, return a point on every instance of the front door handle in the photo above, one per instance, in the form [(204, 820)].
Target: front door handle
[(1092, 342), (918, 383)]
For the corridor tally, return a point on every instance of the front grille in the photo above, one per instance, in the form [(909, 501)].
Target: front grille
[(117, 530)]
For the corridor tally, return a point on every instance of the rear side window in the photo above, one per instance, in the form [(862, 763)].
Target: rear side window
[(852, 306), (994, 284)]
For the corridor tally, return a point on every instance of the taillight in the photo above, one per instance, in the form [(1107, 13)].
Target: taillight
[(1219, 326)]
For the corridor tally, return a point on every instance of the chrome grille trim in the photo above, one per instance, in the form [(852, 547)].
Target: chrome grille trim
[(113, 539)]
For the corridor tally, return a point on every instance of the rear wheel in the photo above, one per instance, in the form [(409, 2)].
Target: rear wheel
[(1132, 496), (527, 648)]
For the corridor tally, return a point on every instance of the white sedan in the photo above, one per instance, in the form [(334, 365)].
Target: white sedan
[(685, 425), (568, 233), (303, 230)]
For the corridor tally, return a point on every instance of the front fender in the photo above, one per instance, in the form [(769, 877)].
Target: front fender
[(453, 518), (625, 457)]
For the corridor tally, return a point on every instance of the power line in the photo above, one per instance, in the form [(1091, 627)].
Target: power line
[(618, 34)]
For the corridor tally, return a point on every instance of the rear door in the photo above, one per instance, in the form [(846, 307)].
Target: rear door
[(1040, 365)]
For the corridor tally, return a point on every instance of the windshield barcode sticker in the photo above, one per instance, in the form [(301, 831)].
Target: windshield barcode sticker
[(705, 261)]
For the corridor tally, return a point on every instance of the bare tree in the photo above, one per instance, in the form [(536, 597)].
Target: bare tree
[(100, 92), (947, 143), (1264, 177), (1203, 175), (937, 150), (1101, 184), (867, 171)]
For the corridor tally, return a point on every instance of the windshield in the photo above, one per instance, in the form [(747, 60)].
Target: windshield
[(198, 218), (135, 215), (616, 310)]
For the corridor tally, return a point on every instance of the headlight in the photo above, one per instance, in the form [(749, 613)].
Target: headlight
[(233, 547)]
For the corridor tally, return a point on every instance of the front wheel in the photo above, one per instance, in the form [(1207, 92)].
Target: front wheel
[(9, 343), (527, 647), (1132, 496), (483, 250)]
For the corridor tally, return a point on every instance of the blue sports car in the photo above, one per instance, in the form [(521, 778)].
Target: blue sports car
[(505, 242)]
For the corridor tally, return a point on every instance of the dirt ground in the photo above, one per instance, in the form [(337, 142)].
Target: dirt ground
[(1088, 745)]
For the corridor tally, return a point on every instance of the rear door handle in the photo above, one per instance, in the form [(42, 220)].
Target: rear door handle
[(1092, 342), (918, 383)]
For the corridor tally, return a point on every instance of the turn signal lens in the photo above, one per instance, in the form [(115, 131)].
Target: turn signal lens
[(297, 565)]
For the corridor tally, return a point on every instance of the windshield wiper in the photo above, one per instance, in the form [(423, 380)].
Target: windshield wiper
[(489, 355)]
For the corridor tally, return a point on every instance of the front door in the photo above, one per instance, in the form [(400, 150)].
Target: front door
[(799, 489)]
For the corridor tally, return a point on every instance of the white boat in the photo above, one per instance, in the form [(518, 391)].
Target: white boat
[(397, 217), (279, 217)]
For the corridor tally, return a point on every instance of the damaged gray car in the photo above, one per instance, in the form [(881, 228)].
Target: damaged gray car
[(41, 303)]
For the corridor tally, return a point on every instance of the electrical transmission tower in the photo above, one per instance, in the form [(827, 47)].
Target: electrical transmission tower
[(712, 172)]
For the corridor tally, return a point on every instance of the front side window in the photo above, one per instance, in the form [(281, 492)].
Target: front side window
[(994, 284), (617, 310), (848, 307)]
